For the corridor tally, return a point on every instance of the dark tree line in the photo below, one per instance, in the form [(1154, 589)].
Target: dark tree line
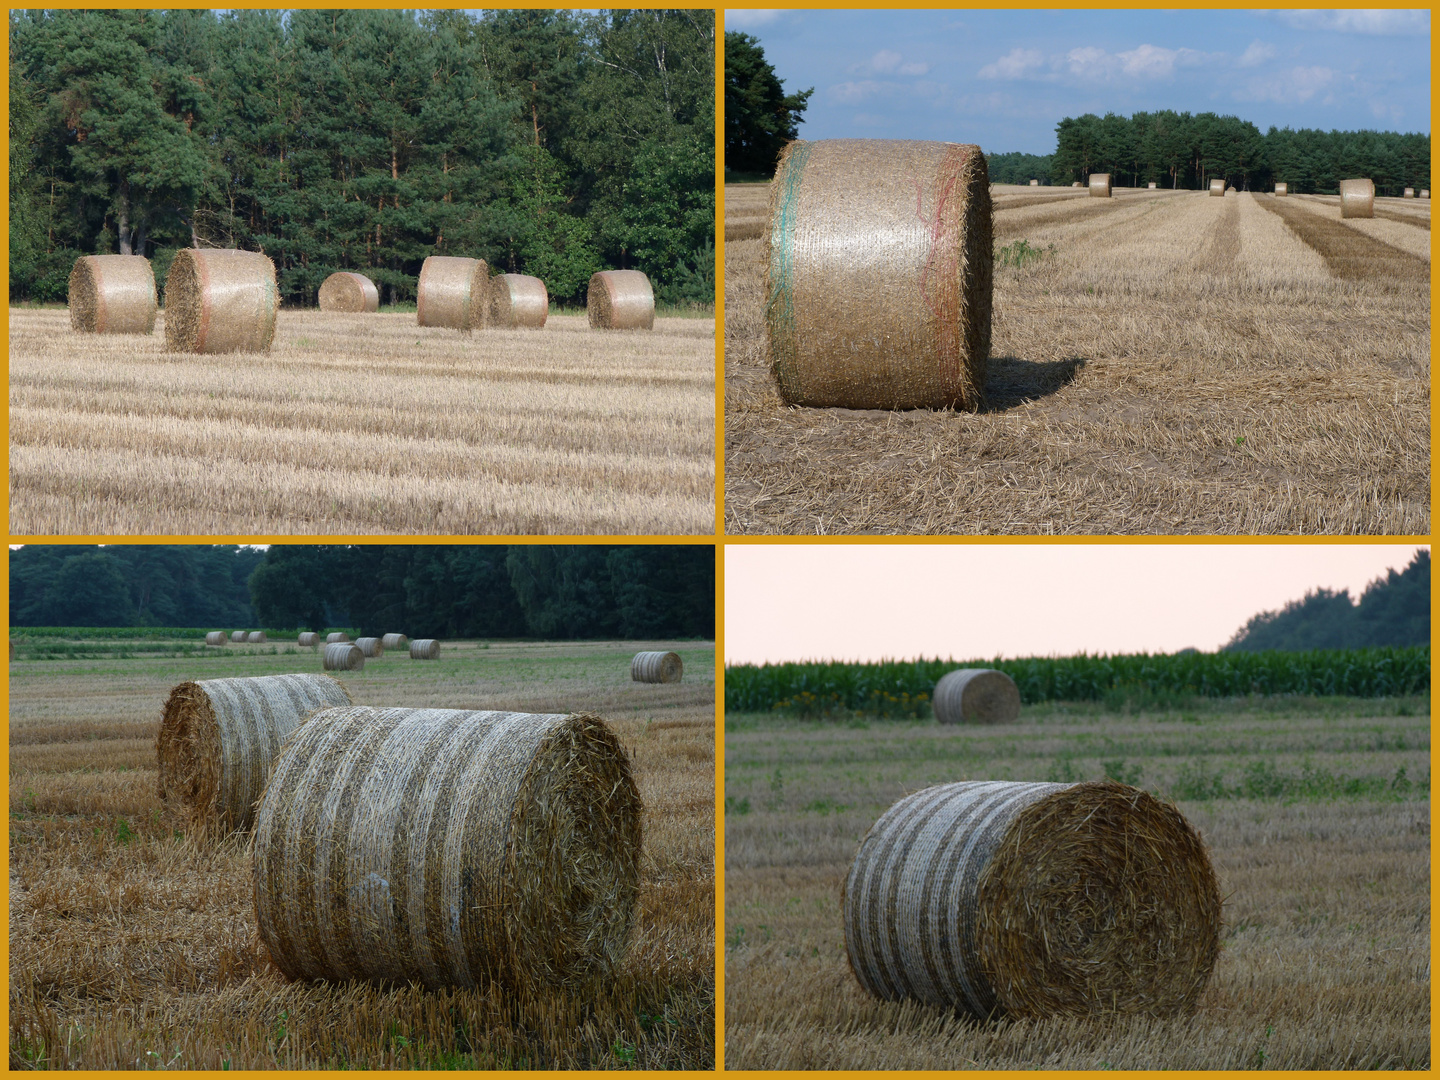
[(448, 591), (552, 143), (1181, 150), (1393, 610), (760, 118)]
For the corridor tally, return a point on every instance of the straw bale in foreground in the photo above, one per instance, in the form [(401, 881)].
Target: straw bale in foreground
[(343, 656), (620, 300), (348, 291), (1033, 900), (658, 667), (518, 302), (976, 696), (453, 293), (112, 294), (1357, 198), (218, 300), (448, 848), (425, 649)]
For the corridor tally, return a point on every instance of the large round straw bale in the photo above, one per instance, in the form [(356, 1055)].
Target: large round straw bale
[(453, 293), (347, 291), (976, 696), (1409, 193), (216, 637), (112, 294), (343, 656), (308, 637), (395, 641), (370, 646), (1217, 187), (338, 635), (1357, 198), (1033, 899), (448, 848), (256, 637), (1100, 185), (1034, 183), (238, 635), (656, 667), (219, 737), (424, 649), (878, 274), (218, 300), (620, 300), (518, 302), (1282, 188)]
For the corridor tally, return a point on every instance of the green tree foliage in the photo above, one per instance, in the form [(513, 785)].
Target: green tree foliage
[(1018, 168), (760, 118)]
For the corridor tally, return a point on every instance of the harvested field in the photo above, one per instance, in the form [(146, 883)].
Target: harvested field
[(364, 424), (1161, 363), (128, 942), (1316, 814)]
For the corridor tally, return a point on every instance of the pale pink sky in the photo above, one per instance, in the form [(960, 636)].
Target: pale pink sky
[(978, 601)]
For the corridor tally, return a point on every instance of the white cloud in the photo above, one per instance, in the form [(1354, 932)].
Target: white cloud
[(850, 93), (748, 18), (1256, 54), (1016, 64), (1383, 21), (1289, 87), (888, 62)]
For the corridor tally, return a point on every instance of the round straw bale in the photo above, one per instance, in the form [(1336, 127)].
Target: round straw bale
[(347, 291), (656, 667), (219, 737), (1151, 185), (308, 637), (343, 656), (218, 300), (1409, 193), (1033, 899), (1230, 190), (453, 293), (216, 637), (518, 302), (1357, 198), (1034, 183), (976, 696), (424, 649), (112, 294), (1424, 193), (1282, 188), (256, 637), (238, 635), (448, 848), (370, 646), (878, 274), (1217, 187), (395, 641), (338, 635), (1077, 184), (1100, 185), (620, 300)]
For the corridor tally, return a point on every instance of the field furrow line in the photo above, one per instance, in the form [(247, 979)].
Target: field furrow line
[(1349, 253)]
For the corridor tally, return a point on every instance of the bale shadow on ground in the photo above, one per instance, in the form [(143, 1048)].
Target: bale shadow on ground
[(1011, 381)]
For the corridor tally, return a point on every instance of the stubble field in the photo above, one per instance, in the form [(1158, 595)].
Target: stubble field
[(131, 947), (364, 425), (1316, 813), (1161, 362)]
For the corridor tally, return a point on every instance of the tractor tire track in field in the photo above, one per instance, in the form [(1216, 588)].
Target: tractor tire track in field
[(1408, 219), (1223, 246), (1349, 254)]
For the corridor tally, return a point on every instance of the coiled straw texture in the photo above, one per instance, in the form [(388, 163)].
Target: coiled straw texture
[(878, 274), (256, 637), (308, 637), (347, 291), (1100, 185), (453, 293), (218, 300), (620, 300), (1357, 198), (219, 737), (518, 302), (395, 641), (216, 637), (660, 667), (976, 696), (343, 656), (112, 294), (425, 649), (238, 635), (1033, 899), (370, 646), (448, 848)]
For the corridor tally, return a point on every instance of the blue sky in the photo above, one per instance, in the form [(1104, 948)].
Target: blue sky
[(1003, 79)]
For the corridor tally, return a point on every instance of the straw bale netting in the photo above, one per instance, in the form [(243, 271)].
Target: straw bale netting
[(453, 293), (1282, 188), (112, 294), (878, 274), (976, 696), (238, 635), (620, 300), (1357, 198), (518, 302), (449, 848), (395, 641), (1217, 187), (343, 656), (338, 635), (1100, 185), (656, 667), (370, 646), (256, 637), (347, 291), (219, 737), (216, 637), (1033, 899), (424, 649), (218, 300), (308, 637), (1409, 193)]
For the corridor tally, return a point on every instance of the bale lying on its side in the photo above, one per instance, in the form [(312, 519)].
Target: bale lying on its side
[(256, 637), (347, 291), (1357, 198), (370, 647), (1282, 188), (976, 696), (448, 848), (218, 300), (343, 656), (216, 637), (1030, 899), (878, 275), (518, 302), (238, 635), (112, 294), (1217, 187), (308, 637), (338, 635), (1409, 193), (424, 649), (1077, 184), (395, 641), (620, 300), (1100, 185), (453, 293), (218, 738), (656, 667)]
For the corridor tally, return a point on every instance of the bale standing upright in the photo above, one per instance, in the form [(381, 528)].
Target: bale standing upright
[(878, 274), (1100, 185), (1217, 187), (112, 294), (620, 300), (218, 300), (1282, 188), (1357, 198), (453, 293), (518, 302)]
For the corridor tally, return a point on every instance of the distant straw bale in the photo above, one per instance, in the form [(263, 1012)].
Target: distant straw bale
[(1077, 184), (1034, 183), (338, 635), (976, 696), (1409, 193), (348, 291), (1151, 185), (219, 737), (425, 649), (1282, 188), (453, 293), (216, 637), (518, 302), (1100, 185), (657, 667), (370, 647), (620, 300), (1217, 187), (1034, 900), (1425, 193), (308, 637), (395, 641), (218, 300), (1357, 198), (256, 637), (343, 656), (112, 294), (238, 635), (449, 848)]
